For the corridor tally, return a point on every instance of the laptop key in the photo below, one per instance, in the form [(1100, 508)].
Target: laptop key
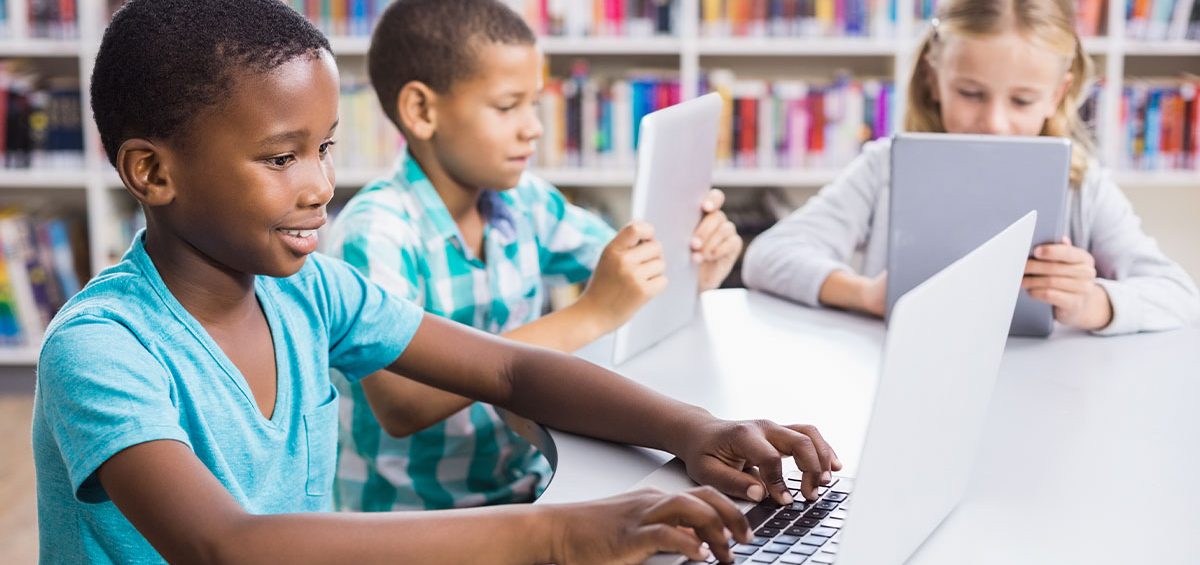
[(766, 532), (836, 496), (826, 505), (760, 513), (779, 524), (824, 532), (796, 531), (788, 515), (803, 549), (832, 522), (777, 548), (822, 558), (788, 538), (759, 541), (839, 514), (741, 549), (793, 559), (816, 541), (816, 513), (764, 558)]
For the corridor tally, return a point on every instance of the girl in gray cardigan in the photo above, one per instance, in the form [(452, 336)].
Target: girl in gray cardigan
[(995, 67)]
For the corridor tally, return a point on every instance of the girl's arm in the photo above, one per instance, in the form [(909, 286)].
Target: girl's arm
[(795, 258), (1147, 290)]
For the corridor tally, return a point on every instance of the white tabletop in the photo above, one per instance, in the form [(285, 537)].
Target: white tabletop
[(1089, 454)]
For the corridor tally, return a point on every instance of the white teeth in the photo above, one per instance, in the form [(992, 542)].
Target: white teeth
[(303, 234)]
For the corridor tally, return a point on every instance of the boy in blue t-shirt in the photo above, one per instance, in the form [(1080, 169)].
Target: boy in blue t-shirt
[(461, 229), (184, 410)]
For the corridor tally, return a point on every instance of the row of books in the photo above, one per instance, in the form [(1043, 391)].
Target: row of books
[(1159, 20), (41, 119), (342, 17), (580, 18), (38, 272), (1160, 122), (802, 18), (593, 122), (1090, 15), (53, 19), (800, 124)]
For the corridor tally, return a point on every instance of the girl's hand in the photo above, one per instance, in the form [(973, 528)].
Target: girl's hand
[(1064, 276), (632, 527)]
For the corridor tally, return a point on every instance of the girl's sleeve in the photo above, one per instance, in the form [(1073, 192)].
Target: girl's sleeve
[(793, 258), (1148, 291)]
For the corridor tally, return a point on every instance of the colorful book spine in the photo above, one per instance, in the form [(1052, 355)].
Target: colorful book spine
[(41, 120), (580, 18), (1160, 119), (802, 18)]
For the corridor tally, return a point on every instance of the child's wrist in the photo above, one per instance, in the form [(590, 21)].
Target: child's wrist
[(597, 318)]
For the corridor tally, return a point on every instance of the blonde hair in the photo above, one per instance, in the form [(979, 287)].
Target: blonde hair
[(1051, 22)]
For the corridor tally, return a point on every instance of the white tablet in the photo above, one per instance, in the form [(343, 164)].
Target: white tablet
[(676, 150), (950, 193)]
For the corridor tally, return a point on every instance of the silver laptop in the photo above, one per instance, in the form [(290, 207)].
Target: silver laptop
[(949, 193), (676, 151), (944, 342)]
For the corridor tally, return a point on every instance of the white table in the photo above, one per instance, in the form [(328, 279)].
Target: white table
[(1089, 454)]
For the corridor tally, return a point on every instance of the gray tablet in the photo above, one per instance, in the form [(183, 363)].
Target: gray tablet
[(950, 193)]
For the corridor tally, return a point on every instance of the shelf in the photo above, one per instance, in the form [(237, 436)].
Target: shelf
[(31, 47), (350, 45), (357, 46), (1097, 45), (610, 45), (1163, 48), (1164, 179), (18, 355), (801, 47), (41, 178)]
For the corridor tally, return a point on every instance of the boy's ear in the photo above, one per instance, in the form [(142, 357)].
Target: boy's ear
[(416, 106), (145, 173)]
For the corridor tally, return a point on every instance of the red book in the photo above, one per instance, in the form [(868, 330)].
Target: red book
[(748, 142), (816, 127)]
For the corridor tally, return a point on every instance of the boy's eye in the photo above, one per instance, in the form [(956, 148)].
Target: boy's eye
[(325, 147), (280, 161)]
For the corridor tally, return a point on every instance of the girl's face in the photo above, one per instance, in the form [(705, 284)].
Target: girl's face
[(1001, 84)]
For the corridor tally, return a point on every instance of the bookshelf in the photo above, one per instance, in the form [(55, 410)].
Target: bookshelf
[(688, 53)]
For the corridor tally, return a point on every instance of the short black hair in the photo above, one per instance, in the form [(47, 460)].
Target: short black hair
[(436, 42), (163, 62)]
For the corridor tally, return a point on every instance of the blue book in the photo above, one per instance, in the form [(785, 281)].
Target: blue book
[(1153, 128)]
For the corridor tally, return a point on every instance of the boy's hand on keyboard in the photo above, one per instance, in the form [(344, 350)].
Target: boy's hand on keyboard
[(743, 459), (630, 272), (632, 527)]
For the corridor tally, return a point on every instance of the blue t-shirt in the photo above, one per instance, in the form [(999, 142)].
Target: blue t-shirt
[(124, 363)]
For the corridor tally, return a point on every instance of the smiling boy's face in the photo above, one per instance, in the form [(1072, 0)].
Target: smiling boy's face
[(252, 179), (488, 124)]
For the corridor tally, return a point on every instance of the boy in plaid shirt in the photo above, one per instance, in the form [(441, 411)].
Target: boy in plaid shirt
[(461, 229)]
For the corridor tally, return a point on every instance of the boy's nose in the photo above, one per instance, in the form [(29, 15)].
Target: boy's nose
[(318, 186), (532, 130)]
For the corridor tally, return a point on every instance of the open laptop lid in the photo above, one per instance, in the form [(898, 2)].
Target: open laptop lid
[(940, 361)]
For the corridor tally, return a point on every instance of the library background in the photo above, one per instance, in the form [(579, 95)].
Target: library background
[(809, 81)]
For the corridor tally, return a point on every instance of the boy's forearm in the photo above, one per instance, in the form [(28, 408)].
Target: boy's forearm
[(572, 395), (517, 534), (566, 330), (404, 406)]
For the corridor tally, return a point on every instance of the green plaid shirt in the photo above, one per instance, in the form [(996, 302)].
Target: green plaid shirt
[(399, 233)]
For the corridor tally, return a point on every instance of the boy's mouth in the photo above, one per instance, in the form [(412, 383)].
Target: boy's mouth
[(301, 240)]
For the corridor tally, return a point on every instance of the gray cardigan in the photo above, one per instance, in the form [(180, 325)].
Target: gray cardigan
[(1148, 291)]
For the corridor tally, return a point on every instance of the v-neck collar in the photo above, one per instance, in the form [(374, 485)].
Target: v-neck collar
[(265, 301)]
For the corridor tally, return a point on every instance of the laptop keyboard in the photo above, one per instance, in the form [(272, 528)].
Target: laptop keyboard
[(801, 532)]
